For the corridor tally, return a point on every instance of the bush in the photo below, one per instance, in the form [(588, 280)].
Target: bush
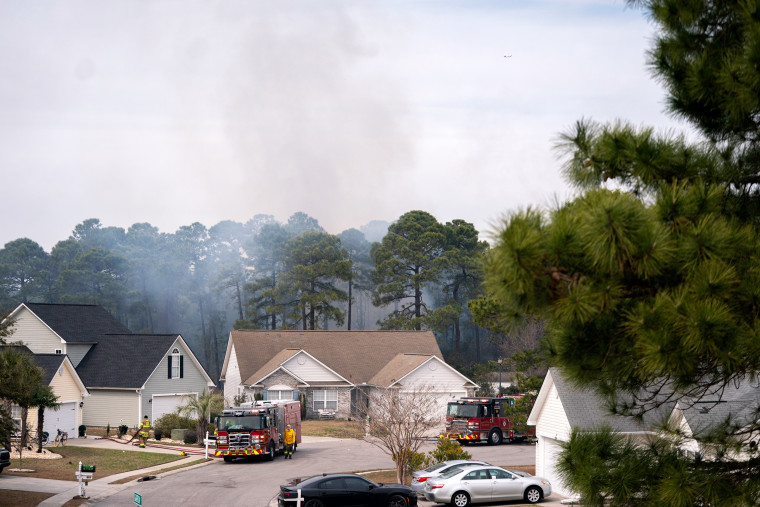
[(82, 429), (415, 461), (158, 434), (168, 422), (191, 437), (123, 430), (447, 450)]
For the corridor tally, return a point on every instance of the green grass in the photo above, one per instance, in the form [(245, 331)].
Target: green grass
[(107, 461)]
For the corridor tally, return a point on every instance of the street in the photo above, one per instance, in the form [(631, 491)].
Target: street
[(255, 483)]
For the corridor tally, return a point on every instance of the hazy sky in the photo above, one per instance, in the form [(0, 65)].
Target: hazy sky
[(173, 112)]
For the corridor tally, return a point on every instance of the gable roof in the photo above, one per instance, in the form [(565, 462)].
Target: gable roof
[(397, 368), (124, 360), (76, 323), (585, 409), (737, 402), (357, 356), (49, 364)]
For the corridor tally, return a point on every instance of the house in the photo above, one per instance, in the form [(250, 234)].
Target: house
[(127, 375), (58, 373), (337, 371), (737, 404), (561, 406)]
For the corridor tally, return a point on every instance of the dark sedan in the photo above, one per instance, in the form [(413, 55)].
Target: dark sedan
[(5, 459), (345, 490)]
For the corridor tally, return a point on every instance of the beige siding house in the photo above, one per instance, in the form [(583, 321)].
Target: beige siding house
[(337, 371), (127, 375)]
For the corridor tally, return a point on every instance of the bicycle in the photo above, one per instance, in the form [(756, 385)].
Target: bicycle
[(33, 437), (61, 438)]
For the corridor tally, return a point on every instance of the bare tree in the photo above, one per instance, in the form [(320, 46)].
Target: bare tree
[(396, 421)]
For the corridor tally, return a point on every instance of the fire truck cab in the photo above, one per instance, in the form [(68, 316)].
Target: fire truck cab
[(256, 429), (479, 420)]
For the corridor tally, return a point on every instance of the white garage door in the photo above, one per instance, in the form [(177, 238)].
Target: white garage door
[(166, 404), (551, 451), (65, 419)]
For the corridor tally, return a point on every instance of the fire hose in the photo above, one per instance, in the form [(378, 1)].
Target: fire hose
[(186, 450)]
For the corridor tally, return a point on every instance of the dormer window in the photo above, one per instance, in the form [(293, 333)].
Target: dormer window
[(176, 364)]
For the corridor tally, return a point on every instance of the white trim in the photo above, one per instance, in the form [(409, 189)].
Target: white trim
[(227, 355), (18, 308), (70, 366), (174, 394), (426, 362), (281, 367), (209, 382), (546, 386)]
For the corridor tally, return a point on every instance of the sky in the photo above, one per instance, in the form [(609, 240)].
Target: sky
[(174, 112)]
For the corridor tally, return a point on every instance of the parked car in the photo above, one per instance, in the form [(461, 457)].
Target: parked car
[(474, 484), (350, 490), (420, 476), (5, 459)]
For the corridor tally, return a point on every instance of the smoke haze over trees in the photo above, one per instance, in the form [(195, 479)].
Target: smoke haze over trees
[(262, 274)]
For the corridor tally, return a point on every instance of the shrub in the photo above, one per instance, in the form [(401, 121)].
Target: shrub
[(191, 437), (158, 434), (447, 450), (415, 461), (82, 429), (123, 430), (168, 422), (108, 429)]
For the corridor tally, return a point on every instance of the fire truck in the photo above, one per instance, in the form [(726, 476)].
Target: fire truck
[(481, 420), (256, 429)]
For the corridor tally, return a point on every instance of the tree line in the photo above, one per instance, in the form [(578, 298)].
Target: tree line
[(263, 274)]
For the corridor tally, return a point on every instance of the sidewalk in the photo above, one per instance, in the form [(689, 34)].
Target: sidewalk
[(98, 488)]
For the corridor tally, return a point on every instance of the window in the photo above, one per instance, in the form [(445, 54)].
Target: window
[(16, 416), (58, 351), (476, 475), (326, 400), (335, 484), (278, 395), (176, 363), (499, 474)]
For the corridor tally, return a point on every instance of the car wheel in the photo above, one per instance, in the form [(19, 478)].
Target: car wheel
[(270, 453), (460, 499), (494, 438), (532, 494), (313, 503), (397, 501), (228, 459)]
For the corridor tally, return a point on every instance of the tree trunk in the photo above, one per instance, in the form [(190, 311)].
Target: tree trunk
[(40, 421), (350, 279), (239, 299), (24, 430)]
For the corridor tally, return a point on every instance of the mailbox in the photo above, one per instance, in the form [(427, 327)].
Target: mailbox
[(88, 468), (85, 476)]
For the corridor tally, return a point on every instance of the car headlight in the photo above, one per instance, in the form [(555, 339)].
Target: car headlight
[(223, 440)]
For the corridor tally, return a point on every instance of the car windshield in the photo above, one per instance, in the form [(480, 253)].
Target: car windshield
[(246, 422), (457, 410), (450, 473), (435, 467)]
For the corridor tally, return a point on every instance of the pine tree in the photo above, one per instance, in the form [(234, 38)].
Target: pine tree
[(649, 281)]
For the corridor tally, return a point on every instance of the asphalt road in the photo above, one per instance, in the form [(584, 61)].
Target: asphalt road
[(255, 483)]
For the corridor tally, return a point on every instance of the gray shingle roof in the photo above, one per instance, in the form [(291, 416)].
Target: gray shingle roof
[(49, 363), (77, 323), (586, 410), (737, 403), (124, 360)]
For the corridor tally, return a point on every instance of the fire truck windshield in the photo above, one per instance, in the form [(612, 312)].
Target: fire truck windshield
[(467, 411), (245, 422)]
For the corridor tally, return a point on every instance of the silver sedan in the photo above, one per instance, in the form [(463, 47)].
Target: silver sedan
[(473, 484), (420, 476)]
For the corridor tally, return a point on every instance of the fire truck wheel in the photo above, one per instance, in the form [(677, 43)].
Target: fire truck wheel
[(494, 438), (228, 459), (313, 503), (270, 453), (397, 501)]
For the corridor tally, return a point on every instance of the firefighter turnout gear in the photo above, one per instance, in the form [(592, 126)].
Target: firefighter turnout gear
[(144, 431), (289, 439)]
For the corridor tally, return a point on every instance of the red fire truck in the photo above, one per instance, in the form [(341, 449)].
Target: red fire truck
[(481, 420), (256, 429)]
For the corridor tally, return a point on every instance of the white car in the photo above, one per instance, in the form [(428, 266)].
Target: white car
[(421, 476), (474, 484)]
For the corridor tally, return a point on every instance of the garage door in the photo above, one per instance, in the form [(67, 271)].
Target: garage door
[(552, 449), (166, 404), (65, 419)]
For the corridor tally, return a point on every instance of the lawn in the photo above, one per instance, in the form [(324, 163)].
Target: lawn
[(332, 428), (107, 461)]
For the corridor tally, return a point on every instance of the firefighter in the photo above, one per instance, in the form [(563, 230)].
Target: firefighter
[(144, 431), (289, 440)]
